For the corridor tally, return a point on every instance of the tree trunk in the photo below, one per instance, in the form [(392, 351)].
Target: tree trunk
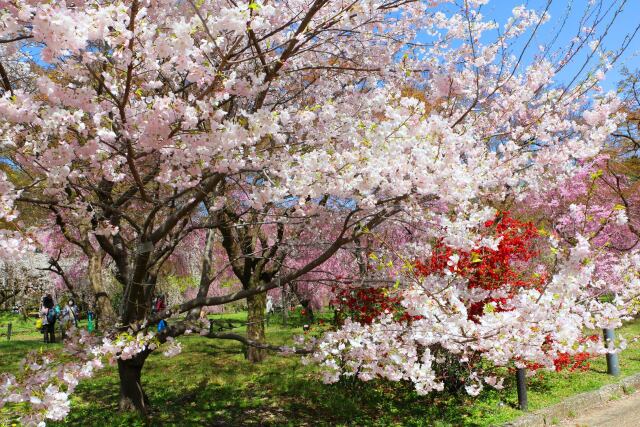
[(103, 307), (149, 290), (135, 307), (138, 286), (256, 306), (132, 396), (207, 273)]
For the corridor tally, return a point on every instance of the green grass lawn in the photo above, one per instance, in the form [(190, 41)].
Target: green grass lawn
[(210, 383), (22, 329)]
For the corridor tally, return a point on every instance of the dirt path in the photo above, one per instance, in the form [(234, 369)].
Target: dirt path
[(624, 412)]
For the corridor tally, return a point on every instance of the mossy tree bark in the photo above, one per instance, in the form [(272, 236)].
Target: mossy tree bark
[(256, 306)]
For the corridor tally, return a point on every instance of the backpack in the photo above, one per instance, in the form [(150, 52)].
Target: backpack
[(51, 316)]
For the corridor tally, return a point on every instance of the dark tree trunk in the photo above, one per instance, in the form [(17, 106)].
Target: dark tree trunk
[(103, 308), (138, 287), (132, 396), (149, 289), (256, 306), (136, 306), (207, 273)]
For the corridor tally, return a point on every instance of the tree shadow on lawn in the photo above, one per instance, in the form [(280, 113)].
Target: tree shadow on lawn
[(197, 404), (212, 385), (306, 403)]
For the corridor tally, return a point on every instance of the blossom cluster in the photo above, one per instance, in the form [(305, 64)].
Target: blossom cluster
[(536, 321)]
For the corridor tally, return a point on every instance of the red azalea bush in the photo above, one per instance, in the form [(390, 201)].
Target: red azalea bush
[(508, 266), (483, 268), (566, 361), (365, 304)]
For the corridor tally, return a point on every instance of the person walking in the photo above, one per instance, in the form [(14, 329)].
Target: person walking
[(48, 314), (91, 320), (70, 314)]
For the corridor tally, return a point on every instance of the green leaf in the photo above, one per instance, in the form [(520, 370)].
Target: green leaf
[(254, 6)]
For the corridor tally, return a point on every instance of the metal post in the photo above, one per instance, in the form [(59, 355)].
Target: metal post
[(521, 377), (613, 367), (9, 326)]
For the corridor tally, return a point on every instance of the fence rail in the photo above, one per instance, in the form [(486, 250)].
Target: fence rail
[(7, 330)]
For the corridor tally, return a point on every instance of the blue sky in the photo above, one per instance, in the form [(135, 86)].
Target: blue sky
[(624, 24)]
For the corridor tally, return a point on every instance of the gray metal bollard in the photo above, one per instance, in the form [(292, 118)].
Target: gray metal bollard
[(9, 327), (521, 377), (613, 367)]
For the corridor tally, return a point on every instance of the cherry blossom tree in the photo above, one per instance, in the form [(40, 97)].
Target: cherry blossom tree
[(158, 119), (23, 282), (601, 201)]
